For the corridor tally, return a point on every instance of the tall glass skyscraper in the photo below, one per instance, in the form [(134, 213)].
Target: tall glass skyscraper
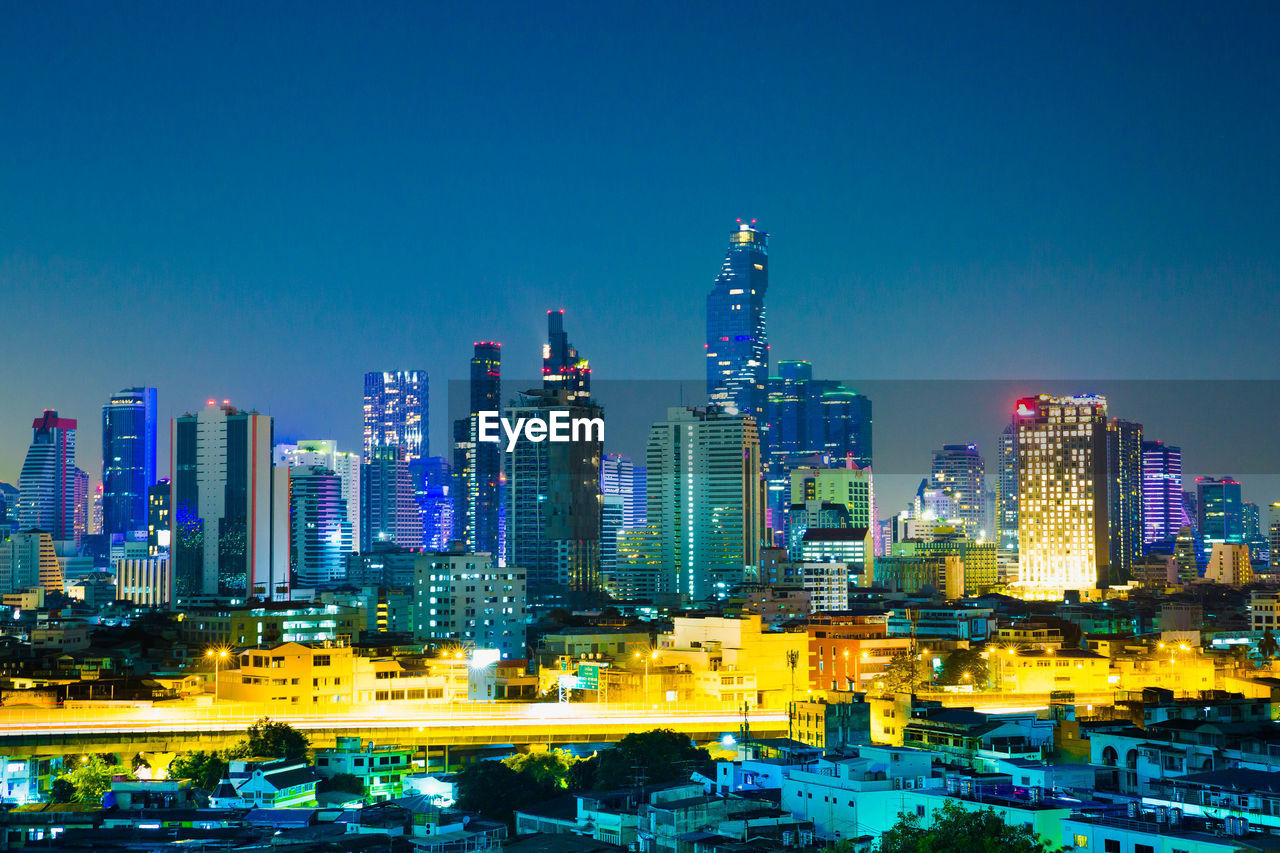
[(1124, 497), (320, 531), (562, 367), (128, 459), (1221, 512), (1163, 510), (477, 466), (737, 347), (395, 412), (47, 484), (1007, 494), (960, 472)]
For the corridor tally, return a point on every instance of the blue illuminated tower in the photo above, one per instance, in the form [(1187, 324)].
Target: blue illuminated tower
[(737, 342), (128, 459)]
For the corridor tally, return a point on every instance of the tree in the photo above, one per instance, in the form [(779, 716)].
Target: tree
[(904, 672), (549, 769), (90, 778), (1267, 646), (268, 739), (62, 791), (656, 756), (204, 769), (957, 830), (347, 783), (960, 663), (495, 791)]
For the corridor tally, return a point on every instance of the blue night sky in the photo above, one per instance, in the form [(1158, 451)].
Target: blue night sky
[(261, 201)]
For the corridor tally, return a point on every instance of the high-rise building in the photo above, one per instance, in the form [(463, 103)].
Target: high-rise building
[(395, 412), (47, 484), (145, 581), (229, 508), (1124, 498), (464, 597), (434, 487), (1007, 495), (1273, 532), (737, 347), (705, 501), (128, 459), (158, 526), (389, 510), (846, 422), (320, 528), (1221, 513), (325, 453), (562, 367), (28, 560), (959, 471), (1163, 510), (1062, 494), (553, 500), (623, 507), (84, 506), (477, 466)]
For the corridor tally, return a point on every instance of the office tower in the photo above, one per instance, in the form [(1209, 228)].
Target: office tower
[(1124, 498), (434, 488), (845, 417), (848, 486), (95, 512), (1252, 519), (620, 476), (145, 581), (465, 598), (389, 510), (737, 346), (158, 526), (1062, 494), (1221, 513), (28, 560), (47, 484), (1163, 510), (553, 500), (1255, 535), (1273, 532), (623, 507), (1007, 494), (325, 453), (8, 505), (320, 529), (229, 510), (83, 506), (562, 367), (128, 459), (960, 472), (395, 412), (477, 466), (705, 501)]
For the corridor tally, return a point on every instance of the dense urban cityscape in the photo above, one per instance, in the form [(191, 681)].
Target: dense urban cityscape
[(304, 641), (665, 428)]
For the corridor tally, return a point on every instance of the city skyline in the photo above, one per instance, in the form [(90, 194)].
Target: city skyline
[(989, 201)]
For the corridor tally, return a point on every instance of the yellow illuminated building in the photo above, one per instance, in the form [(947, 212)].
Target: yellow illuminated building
[(1048, 670), (1062, 494), (733, 661)]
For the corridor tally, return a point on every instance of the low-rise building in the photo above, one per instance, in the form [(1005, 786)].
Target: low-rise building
[(257, 783), (380, 769)]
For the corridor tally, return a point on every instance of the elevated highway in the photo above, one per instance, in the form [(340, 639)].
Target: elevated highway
[(26, 732)]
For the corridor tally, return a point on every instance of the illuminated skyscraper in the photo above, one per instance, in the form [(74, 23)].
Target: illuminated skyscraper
[(159, 530), (562, 367), (1062, 494), (320, 532), (345, 464), (1163, 510), (477, 466), (959, 471), (128, 459), (47, 484), (389, 505), (1124, 498), (553, 501), (395, 412), (705, 502), (229, 507), (1007, 495), (1221, 513), (737, 347)]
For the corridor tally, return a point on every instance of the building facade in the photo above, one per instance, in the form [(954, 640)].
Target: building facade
[(737, 347), (47, 484), (464, 597), (128, 459)]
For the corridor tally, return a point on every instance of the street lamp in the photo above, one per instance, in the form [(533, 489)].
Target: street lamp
[(652, 655), (218, 656)]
